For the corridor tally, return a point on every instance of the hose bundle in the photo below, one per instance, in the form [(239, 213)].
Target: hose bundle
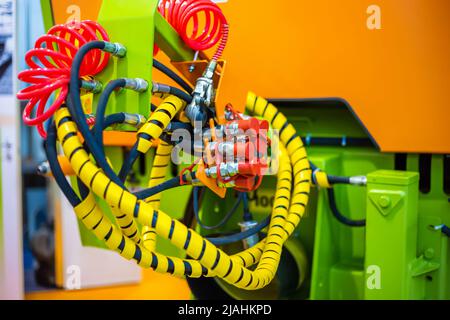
[(73, 57), (49, 68)]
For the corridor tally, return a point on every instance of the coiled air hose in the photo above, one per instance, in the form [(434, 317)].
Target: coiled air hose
[(290, 203), (186, 17), (49, 68)]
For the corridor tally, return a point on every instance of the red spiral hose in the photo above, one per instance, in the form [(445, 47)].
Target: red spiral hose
[(49, 68), (185, 15)]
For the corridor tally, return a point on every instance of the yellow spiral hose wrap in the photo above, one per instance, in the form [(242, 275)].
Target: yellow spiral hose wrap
[(157, 176), (290, 203)]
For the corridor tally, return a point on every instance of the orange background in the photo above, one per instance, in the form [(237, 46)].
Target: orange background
[(396, 79), (89, 9)]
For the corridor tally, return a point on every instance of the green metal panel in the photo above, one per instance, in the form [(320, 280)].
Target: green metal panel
[(391, 241), (132, 24), (47, 14), (170, 42)]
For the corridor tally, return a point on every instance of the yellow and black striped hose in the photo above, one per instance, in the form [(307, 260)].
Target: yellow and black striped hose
[(290, 204), (157, 176)]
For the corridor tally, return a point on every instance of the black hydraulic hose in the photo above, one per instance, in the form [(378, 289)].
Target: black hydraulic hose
[(446, 230), (169, 184), (220, 241), (247, 214), (116, 118), (338, 180), (101, 109), (178, 93), (339, 216), (77, 113), (129, 162), (227, 217), (181, 94), (171, 74), (52, 157)]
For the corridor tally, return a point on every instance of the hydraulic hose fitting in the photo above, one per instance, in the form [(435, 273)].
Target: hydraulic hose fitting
[(226, 170), (135, 120), (137, 84), (203, 95), (116, 49), (93, 86), (358, 181), (252, 240), (443, 228), (210, 69), (159, 87)]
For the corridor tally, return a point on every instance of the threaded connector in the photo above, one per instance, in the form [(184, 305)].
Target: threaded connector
[(93, 86), (210, 69), (135, 120), (137, 84), (116, 49)]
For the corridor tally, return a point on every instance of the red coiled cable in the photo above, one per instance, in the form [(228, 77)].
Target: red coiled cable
[(49, 68), (181, 13)]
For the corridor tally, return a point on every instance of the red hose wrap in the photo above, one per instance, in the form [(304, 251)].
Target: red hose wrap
[(186, 18), (49, 68)]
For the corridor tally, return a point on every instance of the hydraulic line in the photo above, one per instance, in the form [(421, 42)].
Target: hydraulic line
[(157, 176), (338, 215), (77, 113), (224, 240), (52, 157), (101, 108), (247, 215), (225, 219), (151, 131), (214, 260), (323, 180), (169, 184), (172, 75), (157, 122), (165, 89)]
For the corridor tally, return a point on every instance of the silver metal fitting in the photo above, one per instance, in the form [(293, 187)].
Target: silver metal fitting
[(135, 120), (116, 49), (252, 240), (159, 87), (93, 86), (203, 95), (358, 181), (226, 170), (44, 169), (137, 84)]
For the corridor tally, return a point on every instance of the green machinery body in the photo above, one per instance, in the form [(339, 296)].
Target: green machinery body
[(397, 256)]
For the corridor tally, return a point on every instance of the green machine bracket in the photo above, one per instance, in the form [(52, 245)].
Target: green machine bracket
[(391, 235)]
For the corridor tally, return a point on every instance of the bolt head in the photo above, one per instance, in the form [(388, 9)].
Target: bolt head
[(384, 202), (429, 254)]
